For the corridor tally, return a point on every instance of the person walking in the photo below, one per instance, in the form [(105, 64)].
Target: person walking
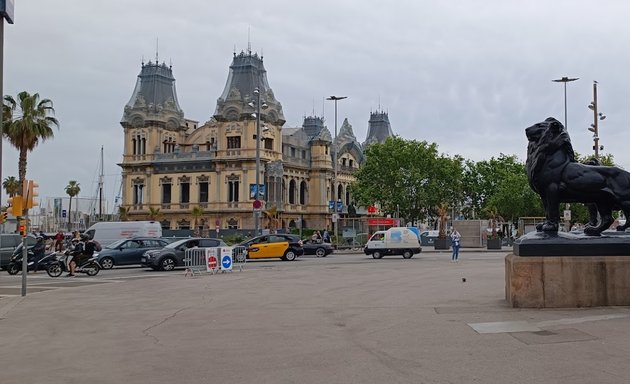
[(59, 238), (455, 238)]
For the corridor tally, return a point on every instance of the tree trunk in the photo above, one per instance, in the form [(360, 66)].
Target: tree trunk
[(69, 213)]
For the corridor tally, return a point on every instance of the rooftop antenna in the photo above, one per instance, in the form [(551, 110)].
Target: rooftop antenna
[(379, 102), (157, 44), (249, 43), (143, 60), (234, 50), (261, 54), (313, 106), (323, 106)]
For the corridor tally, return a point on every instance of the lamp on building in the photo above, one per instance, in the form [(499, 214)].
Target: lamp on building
[(335, 226), (257, 204)]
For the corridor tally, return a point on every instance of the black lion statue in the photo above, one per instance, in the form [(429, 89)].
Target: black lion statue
[(557, 177)]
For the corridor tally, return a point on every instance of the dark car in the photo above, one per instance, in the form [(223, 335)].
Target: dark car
[(318, 249), (8, 243), (283, 246), (172, 255), (128, 251)]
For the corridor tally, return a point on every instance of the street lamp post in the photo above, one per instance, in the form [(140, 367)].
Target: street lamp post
[(565, 80), (257, 203), (335, 226), (597, 116)]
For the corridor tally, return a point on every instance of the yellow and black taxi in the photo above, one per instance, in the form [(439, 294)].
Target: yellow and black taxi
[(284, 246)]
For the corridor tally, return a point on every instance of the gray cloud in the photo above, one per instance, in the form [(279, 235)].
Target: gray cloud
[(469, 75)]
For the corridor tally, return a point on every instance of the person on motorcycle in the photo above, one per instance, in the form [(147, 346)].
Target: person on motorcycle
[(39, 251), (83, 250)]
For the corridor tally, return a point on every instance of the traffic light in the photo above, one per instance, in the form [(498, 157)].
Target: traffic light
[(22, 228), (3, 217), (15, 206), (31, 194)]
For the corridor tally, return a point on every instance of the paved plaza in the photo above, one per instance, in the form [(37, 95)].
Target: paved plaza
[(341, 319)]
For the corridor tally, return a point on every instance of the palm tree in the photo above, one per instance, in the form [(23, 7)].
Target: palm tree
[(28, 122), (196, 212), (154, 213), (123, 213), (72, 189), (11, 185)]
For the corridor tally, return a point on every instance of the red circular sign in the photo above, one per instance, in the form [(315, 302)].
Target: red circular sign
[(257, 204), (212, 262)]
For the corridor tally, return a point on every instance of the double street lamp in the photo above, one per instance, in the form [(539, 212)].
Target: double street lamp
[(257, 202), (565, 80), (334, 194)]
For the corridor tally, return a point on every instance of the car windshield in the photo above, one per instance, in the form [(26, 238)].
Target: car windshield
[(176, 244), (115, 244)]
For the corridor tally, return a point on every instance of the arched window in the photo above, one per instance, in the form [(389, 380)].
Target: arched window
[(292, 192), (339, 192), (303, 192)]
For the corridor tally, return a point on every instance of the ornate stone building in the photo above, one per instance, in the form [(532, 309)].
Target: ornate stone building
[(175, 164)]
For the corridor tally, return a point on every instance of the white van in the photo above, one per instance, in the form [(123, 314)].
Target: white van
[(395, 241), (107, 232)]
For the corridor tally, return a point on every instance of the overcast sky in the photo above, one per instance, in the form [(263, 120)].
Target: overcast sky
[(468, 75)]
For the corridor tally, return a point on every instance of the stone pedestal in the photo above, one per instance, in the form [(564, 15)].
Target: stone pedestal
[(567, 281)]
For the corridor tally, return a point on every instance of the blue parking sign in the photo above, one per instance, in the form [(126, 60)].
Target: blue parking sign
[(331, 204), (339, 206), (63, 213)]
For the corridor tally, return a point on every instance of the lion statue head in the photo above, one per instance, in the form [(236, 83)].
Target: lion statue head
[(545, 139)]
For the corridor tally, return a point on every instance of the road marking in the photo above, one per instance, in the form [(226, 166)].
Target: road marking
[(524, 326)]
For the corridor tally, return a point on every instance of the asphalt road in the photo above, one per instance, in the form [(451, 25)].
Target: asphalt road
[(346, 318)]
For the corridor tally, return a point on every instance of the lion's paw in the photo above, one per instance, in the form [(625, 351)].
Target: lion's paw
[(550, 227), (592, 231)]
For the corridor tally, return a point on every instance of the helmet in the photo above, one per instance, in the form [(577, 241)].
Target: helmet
[(85, 237), (39, 238)]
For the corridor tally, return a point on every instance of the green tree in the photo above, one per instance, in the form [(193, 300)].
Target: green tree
[(72, 189), (11, 185), (123, 213), (196, 212), (481, 181), (154, 213), (513, 197), (407, 176), (29, 121)]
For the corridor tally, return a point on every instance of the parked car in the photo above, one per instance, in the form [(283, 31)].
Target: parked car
[(284, 246), (428, 237), (318, 249), (172, 255), (128, 251), (8, 243)]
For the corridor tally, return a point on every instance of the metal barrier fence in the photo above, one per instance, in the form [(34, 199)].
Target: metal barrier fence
[(213, 260)]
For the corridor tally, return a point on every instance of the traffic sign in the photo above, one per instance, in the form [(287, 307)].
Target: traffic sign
[(63, 213), (257, 204), (226, 262), (212, 262), (331, 204), (339, 206)]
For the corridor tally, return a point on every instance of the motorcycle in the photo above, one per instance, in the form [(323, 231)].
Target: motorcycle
[(59, 265), (15, 264)]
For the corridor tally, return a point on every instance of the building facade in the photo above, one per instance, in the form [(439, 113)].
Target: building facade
[(204, 176)]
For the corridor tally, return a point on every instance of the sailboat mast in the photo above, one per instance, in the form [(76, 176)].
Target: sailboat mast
[(100, 189)]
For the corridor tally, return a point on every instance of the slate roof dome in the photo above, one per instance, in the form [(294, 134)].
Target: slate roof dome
[(154, 98), (247, 73)]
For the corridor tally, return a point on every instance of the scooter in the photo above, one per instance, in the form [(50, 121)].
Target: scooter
[(15, 265), (59, 265)]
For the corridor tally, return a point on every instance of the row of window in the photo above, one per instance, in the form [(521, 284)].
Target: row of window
[(233, 193)]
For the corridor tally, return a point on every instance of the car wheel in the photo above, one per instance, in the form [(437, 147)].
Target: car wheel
[(107, 263), (320, 252), (407, 254), (167, 264), (289, 255), (377, 254)]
